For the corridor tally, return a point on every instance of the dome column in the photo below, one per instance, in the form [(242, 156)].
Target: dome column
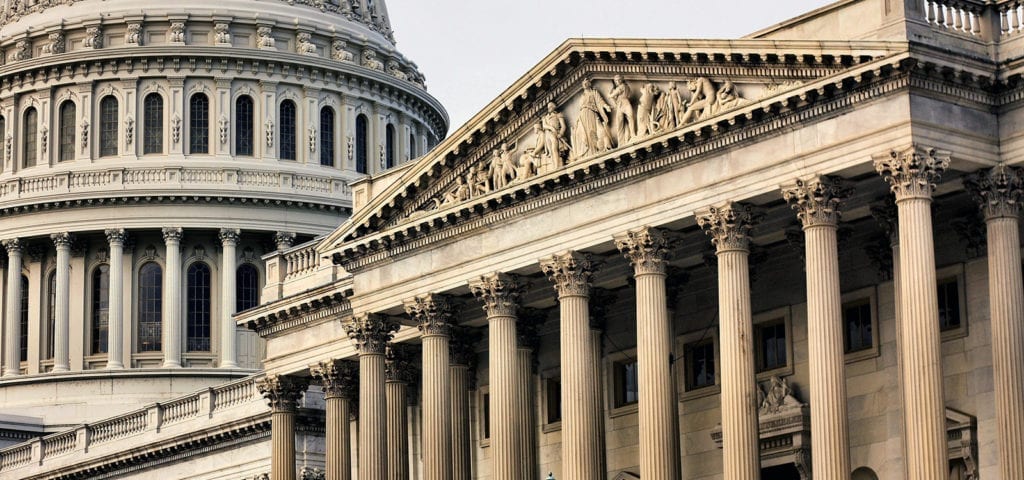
[(172, 298), (228, 337), (115, 324), (371, 332), (61, 354), (462, 358), (12, 309)]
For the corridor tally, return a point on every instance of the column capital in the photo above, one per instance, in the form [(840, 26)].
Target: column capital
[(281, 391), (462, 348), (61, 240), (500, 293), (399, 363), (912, 171), (172, 234), (646, 248), (116, 236), (229, 236), (571, 272), (432, 313), (339, 378), (284, 240), (997, 190), (13, 245), (371, 332), (817, 200), (729, 225)]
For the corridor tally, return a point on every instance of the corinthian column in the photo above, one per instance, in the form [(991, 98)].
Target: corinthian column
[(729, 227), (911, 173), (340, 381), (61, 356), (433, 314), (399, 374), (12, 312), (817, 203), (371, 333), (647, 250), (115, 324), (999, 192), (526, 431), (228, 240), (582, 429), (500, 294), (172, 298), (282, 393), (462, 359)]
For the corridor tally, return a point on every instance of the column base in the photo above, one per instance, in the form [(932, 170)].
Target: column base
[(171, 365), (229, 366), (115, 366), (60, 369)]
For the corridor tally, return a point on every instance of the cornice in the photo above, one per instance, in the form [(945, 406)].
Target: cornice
[(149, 198), (326, 303)]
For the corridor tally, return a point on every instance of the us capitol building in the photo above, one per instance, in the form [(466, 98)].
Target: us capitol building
[(239, 244)]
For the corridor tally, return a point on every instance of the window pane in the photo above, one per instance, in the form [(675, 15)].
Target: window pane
[(554, 400), (486, 420), (287, 130), (857, 316), (243, 125), (390, 147), (626, 383), (150, 307), (67, 131), (362, 148), (199, 124), (772, 345), (100, 308), (153, 117), (949, 304), (247, 288), (51, 314), (108, 126), (412, 146), (29, 138), (327, 136), (700, 358), (198, 303)]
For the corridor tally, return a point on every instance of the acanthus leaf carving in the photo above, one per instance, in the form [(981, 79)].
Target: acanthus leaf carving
[(646, 249), (817, 200), (370, 332), (339, 378), (571, 272), (432, 313), (998, 190), (499, 292), (912, 171), (728, 225), (282, 391)]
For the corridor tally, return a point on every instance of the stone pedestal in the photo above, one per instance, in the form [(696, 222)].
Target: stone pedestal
[(282, 393), (371, 332), (433, 315), (340, 381), (729, 226)]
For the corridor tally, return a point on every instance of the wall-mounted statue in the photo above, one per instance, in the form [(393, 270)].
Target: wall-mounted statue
[(265, 38), (370, 60), (133, 35), (222, 34), (591, 134), (503, 168), (777, 397), (339, 52), (304, 44), (395, 71)]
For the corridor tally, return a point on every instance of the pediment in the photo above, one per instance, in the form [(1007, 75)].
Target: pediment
[(594, 99)]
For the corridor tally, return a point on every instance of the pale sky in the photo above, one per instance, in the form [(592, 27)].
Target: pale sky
[(472, 50)]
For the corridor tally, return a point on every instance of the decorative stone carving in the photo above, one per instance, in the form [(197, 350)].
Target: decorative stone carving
[(94, 36), (912, 172), (817, 200), (44, 138), (281, 391), (223, 123), (175, 128), (400, 363), (172, 234), (339, 51), (222, 34), (8, 146), (396, 71), (304, 44), (502, 170), (728, 225), (85, 135), (309, 473), (670, 109), (12, 245), (462, 346), (591, 133), (311, 135), (370, 332), (646, 249), (36, 252), (55, 43), (601, 300), (115, 235), (997, 190), (176, 34), (623, 117), (370, 60), (350, 147), (879, 253), (432, 313), (129, 130), (284, 240), (62, 239), (570, 271), (133, 35), (265, 38), (339, 378), (971, 231), (500, 293), (776, 396), (645, 122), (229, 236), (22, 50), (268, 127), (551, 147)]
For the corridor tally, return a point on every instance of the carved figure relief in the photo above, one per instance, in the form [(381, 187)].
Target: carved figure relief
[(349, 147), (591, 134), (223, 124), (777, 397), (552, 145), (339, 52), (222, 33), (55, 43), (304, 44), (133, 36), (503, 168), (370, 60), (22, 50), (176, 34), (645, 122), (175, 129), (129, 130), (264, 38), (312, 139), (395, 71), (623, 117), (85, 135), (8, 146), (268, 127), (44, 137), (94, 36)]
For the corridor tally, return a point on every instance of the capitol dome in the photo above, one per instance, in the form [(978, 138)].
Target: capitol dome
[(152, 153)]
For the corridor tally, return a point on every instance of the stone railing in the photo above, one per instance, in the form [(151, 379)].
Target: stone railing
[(1011, 18), (301, 260), (110, 181), (961, 17), (206, 403)]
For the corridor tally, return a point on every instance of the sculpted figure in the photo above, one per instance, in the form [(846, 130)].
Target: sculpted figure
[(177, 33), (502, 170), (370, 60), (479, 181), (778, 396), (669, 109), (553, 133), (129, 130), (305, 45), (222, 34), (645, 123), (22, 50), (265, 39), (726, 97), (623, 118), (338, 51), (590, 134), (395, 71), (458, 194), (702, 94), (132, 36), (55, 44)]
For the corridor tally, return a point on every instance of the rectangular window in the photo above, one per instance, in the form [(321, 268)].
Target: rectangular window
[(771, 343), (626, 383), (949, 304), (553, 400), (485, 415), (700, 364), (858, 331)]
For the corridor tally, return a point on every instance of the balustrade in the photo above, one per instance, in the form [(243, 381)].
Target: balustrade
[(956, 16)]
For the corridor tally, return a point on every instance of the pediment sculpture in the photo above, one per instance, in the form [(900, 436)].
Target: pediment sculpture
[(777, 397)]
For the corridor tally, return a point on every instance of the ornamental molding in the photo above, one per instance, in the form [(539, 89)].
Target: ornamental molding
[(282, 391), (729, 225), (338, 378), (321, 305), (912, 171), (997, 190)]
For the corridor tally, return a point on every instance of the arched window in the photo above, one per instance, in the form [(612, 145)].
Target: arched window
[(100, 308), (198, 308), (153, 124), (199, 124), (390, 148), (108, 126), (362, 143), (287, 118), (412, 146), (67, 131), (244, 125), (23, 343), (30, 130), (151, 312), (247, 287), (327, 136), (864, 473), (51, 314)]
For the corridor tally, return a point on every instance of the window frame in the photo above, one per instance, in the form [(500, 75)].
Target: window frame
[(609, 366), (238, 285), (328, 147), (24, 310), (362, 147), (783, 314), (554, 374), (871, 295), (483, 407), (189, 304), (390, 146), (138, 284), (288, 139), (153, 126), (708, 333), (108, 130), (93, 338), (29, 137), (241, 124), (66, 131), (198, 131), (955, 271)]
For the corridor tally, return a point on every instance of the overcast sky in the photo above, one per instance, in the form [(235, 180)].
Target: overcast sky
[(472, 50)]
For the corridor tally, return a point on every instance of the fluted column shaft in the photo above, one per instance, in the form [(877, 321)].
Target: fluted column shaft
[(12, 312), (172, 299), (228, 350), (433, 314), (61, 354), (911, 173), (370, 333), (729, 227), (397, 430), (526, 431), (340, 382), (461, 446), (282, 393), (115, 324), (581, 409)]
